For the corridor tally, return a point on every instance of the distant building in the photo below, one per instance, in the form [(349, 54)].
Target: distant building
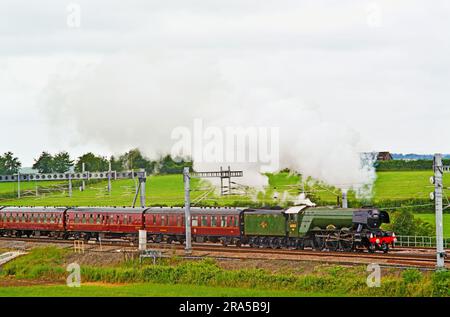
[(384, 156)]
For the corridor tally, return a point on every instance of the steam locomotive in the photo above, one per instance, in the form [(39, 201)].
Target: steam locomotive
[(320, 228)]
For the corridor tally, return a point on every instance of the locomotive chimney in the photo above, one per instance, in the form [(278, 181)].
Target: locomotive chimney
[(344, 199)]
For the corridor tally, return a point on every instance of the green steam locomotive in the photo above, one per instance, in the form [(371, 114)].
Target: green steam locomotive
[(322, 228)]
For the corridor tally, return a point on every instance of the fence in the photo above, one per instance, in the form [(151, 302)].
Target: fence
[(419, 241)]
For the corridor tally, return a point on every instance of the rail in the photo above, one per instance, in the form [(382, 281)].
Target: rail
[(420, 241)]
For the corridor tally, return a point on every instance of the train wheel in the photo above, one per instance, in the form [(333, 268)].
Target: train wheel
[(318, 244), (274, 243), (263, 242), (385, 248), (346, 246), (332, 242), (224, 242)]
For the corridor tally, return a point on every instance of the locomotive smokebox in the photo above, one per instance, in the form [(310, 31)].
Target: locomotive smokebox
[(344, 199)]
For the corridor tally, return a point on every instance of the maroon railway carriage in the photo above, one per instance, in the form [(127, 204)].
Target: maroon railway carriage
[(32, 221), (103, 222), (208, 224)]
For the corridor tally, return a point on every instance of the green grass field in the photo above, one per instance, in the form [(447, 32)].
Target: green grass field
[(405, 185), (431, 219), (168, 190), (148, 290)]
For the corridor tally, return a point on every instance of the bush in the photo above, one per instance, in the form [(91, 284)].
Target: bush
[(441, 283), (404, 223), (411, 276)]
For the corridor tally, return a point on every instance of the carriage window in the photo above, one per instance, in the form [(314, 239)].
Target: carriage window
[(163, 220), (76, 219), (99, 219), (223, 222), (213, 221), (125, 220), (36, 218), (83, 220), (91, 219), (204, 221), (111, 220), (52, 218), (236, 221), (179, 221), (23, 218), (154, 219), (194, 221), (118, 219)]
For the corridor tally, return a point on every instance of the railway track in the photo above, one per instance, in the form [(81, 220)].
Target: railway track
[(394, 258)]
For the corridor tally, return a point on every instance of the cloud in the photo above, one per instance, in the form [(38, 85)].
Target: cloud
[(389, 84)]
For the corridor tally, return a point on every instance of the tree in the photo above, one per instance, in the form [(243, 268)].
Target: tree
[(92, 163), (9, 164), (116, 164), (44, 164), (168, 165), (61, 162), (134, 159), (403, 223)]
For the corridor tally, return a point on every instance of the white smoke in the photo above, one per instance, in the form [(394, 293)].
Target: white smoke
[(138, 100)]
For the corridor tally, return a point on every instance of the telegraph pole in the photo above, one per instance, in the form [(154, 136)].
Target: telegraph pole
[(438, 185), (18, 184), (187, 194), (70, 184), (187, 208), (109, 178), (142, 179), (83, 184)]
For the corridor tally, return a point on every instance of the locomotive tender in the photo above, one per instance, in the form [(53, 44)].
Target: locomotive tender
[(322, 228)]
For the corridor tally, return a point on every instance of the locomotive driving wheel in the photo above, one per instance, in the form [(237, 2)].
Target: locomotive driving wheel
[(332, 241), (318, 243), (346, 240)]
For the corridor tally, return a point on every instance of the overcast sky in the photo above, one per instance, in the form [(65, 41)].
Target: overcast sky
[(381, 67)]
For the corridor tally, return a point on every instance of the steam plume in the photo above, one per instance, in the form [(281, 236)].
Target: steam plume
[(136, 101)]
